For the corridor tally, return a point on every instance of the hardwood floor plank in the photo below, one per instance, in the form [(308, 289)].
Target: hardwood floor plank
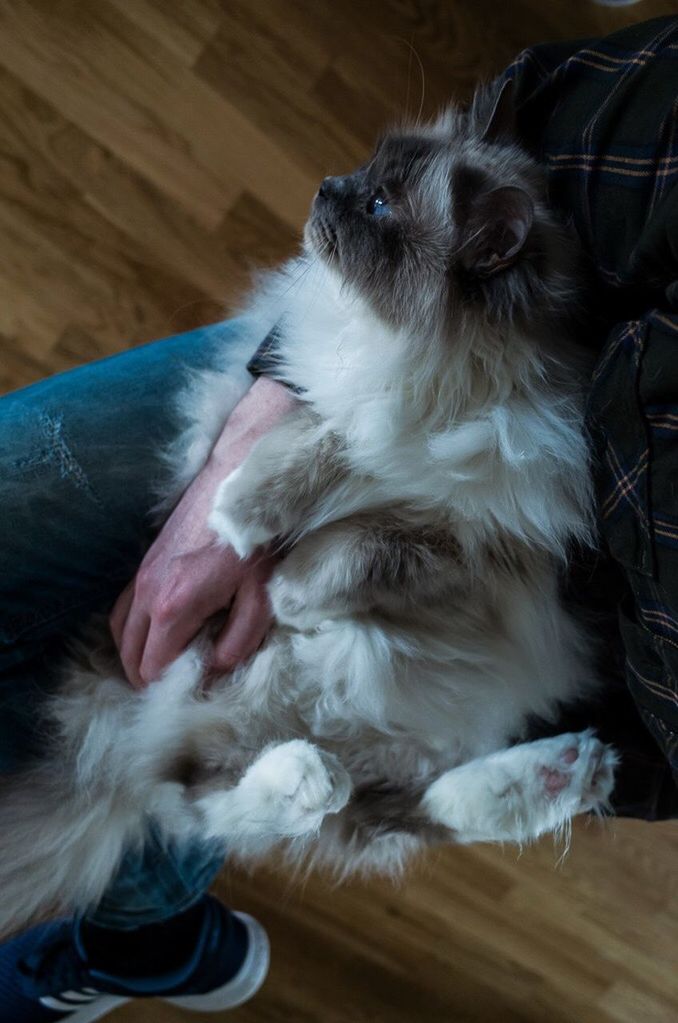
[(183, 27), (253, 63), (171, 128)]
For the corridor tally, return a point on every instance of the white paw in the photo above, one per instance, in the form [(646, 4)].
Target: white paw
[(298, 784), (243, 537), (575, 770), (526, 791)]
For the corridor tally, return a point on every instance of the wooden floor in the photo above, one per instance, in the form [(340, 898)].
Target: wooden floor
[(151, 152)]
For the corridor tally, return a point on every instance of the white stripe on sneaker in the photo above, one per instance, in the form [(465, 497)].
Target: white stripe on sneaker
[(85, 1012), (55, 1003)]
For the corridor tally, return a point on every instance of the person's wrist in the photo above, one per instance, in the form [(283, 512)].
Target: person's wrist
[(255, 416), (264, 405)]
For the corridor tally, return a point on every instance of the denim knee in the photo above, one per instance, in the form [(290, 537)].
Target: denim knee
[(158, 880)]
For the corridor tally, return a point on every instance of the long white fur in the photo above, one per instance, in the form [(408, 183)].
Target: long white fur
[(407, 702)]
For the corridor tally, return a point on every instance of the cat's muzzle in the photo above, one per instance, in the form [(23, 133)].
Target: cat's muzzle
[(321, 236)]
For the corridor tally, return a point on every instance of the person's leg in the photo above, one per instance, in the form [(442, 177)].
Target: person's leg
[(79, 471)]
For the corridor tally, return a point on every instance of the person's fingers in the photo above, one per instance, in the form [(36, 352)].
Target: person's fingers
[(129, 628), (165, 641), (118, 615), (177, 618), (247, 626), (153, 623), (132, 643)]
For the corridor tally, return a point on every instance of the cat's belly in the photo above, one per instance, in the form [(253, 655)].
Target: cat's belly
[(349, 684)]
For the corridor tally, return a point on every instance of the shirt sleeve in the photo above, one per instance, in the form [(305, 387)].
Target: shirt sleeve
[(266, 361)]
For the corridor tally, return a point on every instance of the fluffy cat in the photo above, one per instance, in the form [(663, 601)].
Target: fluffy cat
[(426, 490)]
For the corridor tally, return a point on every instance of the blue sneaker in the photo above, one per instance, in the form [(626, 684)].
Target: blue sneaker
[(45, 976)]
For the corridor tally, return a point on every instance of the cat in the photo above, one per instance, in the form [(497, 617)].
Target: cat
[(425, 491)]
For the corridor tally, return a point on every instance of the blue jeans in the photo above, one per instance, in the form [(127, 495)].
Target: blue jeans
[(78, 472)]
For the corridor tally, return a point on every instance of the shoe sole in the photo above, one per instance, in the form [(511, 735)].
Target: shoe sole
[(246, 982)]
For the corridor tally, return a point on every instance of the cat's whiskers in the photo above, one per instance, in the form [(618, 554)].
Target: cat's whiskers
[(413, 53), (308, 265), (467, 241)]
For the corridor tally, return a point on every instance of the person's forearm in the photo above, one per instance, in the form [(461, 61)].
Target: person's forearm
[(257, 412), (186, 576)]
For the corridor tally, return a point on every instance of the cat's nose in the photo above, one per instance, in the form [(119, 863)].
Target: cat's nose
[(331, 188)]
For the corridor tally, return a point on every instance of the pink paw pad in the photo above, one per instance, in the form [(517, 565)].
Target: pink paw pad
[(554, 780)]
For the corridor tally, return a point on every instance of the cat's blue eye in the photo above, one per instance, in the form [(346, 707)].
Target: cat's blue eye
[(378, 206)]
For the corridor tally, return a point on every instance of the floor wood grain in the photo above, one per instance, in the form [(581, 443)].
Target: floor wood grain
[(151, 153)]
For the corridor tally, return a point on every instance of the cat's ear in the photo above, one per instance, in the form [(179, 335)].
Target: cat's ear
[(496, 229), (501, 124)]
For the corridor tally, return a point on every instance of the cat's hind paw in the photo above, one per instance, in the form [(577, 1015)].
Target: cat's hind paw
[(520, 793), (297, 784), (578, 769)]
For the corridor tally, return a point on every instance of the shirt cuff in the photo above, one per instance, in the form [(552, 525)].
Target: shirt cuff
[(266, 361)]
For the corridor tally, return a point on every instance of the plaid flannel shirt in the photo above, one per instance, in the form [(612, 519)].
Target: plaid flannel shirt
[(602, 116)]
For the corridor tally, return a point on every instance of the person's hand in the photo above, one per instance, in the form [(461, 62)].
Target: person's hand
[(186, 577)]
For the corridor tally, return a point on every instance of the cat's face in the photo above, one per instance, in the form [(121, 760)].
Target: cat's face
[(434, 220), (387, 227)]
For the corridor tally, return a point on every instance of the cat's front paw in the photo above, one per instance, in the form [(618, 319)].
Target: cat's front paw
[(296, 784), (235, 517)]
